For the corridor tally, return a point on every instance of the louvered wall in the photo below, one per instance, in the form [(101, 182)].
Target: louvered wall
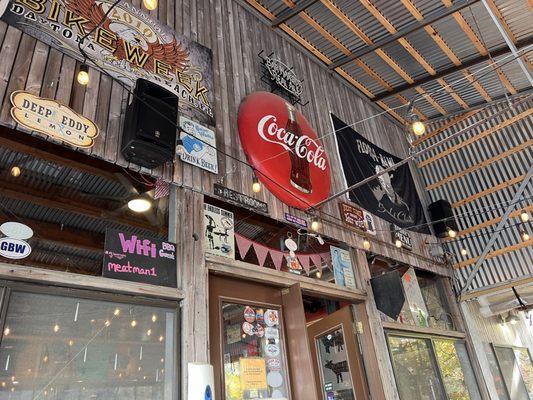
[(484, 174)]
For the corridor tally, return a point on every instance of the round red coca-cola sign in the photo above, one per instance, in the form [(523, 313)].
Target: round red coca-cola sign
[(284, 150)]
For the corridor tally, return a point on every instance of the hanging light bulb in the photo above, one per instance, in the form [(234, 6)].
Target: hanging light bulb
[(154, 317), (524, 235), (524, 216), (451, 233), (56, 328), (150, 4), (116, 313), (133, 323), (83, 74), (366, 244), (318, 274), (398, 243), (464, 251), (7, 331), (417, 126), (315, 224), (256, 185), (139, 205), (15, 171)]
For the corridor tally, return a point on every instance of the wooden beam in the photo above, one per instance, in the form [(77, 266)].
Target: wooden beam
[(480, 165), (452, 93), (58, 202), (426, 331), (66, 236), (474, 139), (97, 283), (291, 12), (488, 191), (63, 160), (496, 253), (445, 127), (475, 83), (500, 287), (486, 224), (242, 270)]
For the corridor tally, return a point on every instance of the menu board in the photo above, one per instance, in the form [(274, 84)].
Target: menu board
[(139, 258)]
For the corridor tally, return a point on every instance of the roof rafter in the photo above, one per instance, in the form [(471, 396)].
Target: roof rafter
[(496, 253), (490, 190)]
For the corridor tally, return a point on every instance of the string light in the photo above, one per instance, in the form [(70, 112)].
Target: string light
[(524, 216), (148, 332), (139, 205), (107, 322), (154, 317), (15, 171), (451, 233), (524, 235), (161, 338), (398, 243), (56, 328), (318, 274), (116, 313), (150, 4), (83, 74), (133, 323), (366, 244), (256, 185), (7, 331), (464, 251), (315, 224)]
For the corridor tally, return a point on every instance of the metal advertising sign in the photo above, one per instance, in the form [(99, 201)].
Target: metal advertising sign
[(14, 248), (128, 44), (219, 234), (357, 218), (53, 119), (293, 219), (401, 235), (240, 198), (141, 259), (193, 148), (284, 150)]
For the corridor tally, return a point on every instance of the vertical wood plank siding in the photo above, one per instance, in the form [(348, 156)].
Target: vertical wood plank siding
[(513, 264), (236, 35)]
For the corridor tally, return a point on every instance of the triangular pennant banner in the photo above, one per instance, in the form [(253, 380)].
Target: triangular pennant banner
[(277, 258), (317, 260), (243, 244), (304, 260), (327, 258), (262, 252)]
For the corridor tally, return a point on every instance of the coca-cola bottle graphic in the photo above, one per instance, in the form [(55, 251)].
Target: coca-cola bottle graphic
[(300, 177)]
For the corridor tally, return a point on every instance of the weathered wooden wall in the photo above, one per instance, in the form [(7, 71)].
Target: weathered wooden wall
[(236, 35)]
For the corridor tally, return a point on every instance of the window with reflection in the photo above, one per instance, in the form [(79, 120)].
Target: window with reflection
[(56, 347), (432, 368)]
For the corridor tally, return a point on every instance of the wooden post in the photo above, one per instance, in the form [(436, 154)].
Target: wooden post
[(194, 282), (375, 351)]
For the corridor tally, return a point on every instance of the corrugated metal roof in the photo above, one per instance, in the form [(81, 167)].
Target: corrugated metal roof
[(516, 13)]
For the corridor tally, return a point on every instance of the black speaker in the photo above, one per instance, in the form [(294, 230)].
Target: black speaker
[(388, 293), (149, 134), (441, 211)]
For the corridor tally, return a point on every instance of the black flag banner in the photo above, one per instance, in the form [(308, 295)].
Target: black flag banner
[(392, 196)]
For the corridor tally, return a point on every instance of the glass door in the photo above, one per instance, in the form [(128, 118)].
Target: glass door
[(336, 358)]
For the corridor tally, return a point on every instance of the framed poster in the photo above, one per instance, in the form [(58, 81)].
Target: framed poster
[(342, 267), (219, 234), (194, 145), (137, 258)]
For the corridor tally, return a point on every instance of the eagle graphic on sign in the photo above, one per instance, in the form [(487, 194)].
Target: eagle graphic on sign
[(130, 42)]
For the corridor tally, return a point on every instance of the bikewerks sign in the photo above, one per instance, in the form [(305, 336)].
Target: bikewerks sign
[(128, 44), (284, 150), (53, 119)]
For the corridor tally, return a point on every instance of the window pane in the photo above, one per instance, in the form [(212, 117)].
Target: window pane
[(526, 368), (67, 348), (414, 369), (334, 367), (456, 371), (254, 362), (495, 372), (511, 373)]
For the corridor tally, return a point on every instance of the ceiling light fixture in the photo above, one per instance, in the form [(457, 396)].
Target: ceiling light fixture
[(139, 205)]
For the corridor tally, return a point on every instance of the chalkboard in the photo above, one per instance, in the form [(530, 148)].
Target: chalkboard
[(139, 258)]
